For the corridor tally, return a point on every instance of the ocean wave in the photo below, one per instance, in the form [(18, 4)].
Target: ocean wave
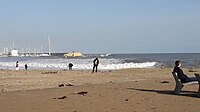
[(127, 65), (115, 65)]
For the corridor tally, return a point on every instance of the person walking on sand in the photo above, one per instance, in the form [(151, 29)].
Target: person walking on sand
[(95, 64), (184, 78), (17, 66)]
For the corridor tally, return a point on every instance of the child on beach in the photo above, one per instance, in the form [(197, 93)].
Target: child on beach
[(17, 66), (70, 66), (26, 67)]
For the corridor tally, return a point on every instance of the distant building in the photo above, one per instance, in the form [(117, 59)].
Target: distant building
[(1, 54), (14, 52)]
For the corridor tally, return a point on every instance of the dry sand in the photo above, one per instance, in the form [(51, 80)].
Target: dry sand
[(128, 90)]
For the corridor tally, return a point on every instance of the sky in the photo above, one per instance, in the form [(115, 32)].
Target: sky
[(102, 26)]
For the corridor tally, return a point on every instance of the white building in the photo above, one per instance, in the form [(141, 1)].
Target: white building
[(1, 54), (14, 52)]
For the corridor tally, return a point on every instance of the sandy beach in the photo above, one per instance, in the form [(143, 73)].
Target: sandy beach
[(127, 90)]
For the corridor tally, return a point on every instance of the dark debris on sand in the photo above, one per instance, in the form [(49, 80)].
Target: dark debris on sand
[(164, 82), (82, 93), (63, 97), (61, 85)]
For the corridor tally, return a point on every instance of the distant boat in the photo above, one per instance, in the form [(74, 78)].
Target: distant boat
[(73, 54), (49, 54), (44, 55)]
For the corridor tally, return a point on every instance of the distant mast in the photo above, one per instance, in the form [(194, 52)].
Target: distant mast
[(49, 41), (13, 45)]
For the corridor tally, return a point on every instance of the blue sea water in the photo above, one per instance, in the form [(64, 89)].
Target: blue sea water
[(166, 59), (107, 61)]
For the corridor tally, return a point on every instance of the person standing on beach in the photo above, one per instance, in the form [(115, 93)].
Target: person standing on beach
[(95, 64), (17, 66), (70, 66), (26, 67), (184, 78)]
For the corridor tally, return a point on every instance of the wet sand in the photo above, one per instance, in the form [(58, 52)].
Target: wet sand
[(128, 90)]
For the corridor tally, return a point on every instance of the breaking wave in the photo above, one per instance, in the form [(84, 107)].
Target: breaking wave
[(79, 64)]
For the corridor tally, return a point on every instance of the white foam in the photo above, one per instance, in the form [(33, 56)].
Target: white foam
[(79, 64), (127, 65)]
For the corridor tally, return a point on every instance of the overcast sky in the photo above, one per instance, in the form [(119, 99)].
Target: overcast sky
[(102, 26)]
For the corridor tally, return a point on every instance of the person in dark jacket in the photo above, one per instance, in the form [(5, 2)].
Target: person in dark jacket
[(70, 66), (95, 64), (183, 77), (26, 67)]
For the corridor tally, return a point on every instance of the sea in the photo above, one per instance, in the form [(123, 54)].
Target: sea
[(107, 61)]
